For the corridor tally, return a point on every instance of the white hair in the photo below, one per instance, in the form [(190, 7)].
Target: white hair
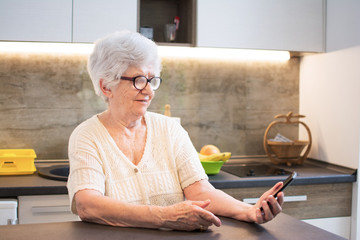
[(113, 54)]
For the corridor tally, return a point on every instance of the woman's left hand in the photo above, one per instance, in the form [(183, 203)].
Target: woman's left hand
[(267, 206)]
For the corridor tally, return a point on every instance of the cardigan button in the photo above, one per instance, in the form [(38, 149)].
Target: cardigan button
[(136, 170)]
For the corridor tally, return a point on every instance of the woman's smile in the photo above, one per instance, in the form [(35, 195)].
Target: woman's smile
[(143, 99), (144, 102)]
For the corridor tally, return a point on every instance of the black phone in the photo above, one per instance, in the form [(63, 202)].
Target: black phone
[(286, 183)]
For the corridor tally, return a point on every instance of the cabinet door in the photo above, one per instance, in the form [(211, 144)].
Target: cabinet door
[(96, 18), (35, 20), (261, 24)]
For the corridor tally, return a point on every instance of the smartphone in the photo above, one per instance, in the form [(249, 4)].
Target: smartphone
[(285, 184)]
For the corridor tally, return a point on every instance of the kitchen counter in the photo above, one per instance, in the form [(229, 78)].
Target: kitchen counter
[(282, 227), (312, 172), (33, 184)]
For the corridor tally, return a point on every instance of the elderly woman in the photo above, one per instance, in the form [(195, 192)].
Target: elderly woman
[(134, 168)]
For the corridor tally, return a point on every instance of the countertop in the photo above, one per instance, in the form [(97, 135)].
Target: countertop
[(312, 172), (282, 227)]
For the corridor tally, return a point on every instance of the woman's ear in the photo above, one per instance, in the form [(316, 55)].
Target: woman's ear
[(105, 90)]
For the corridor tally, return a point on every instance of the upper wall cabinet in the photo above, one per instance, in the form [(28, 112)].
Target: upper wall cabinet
[(35, 20), (94, 19), (277, 25)]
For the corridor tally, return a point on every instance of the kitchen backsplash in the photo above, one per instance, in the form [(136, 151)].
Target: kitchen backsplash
[(226, 103)]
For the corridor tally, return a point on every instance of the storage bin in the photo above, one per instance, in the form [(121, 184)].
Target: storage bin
[(17, 161)]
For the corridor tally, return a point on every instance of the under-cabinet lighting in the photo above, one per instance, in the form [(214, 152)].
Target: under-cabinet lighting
[(224, 53), (164, 51), (51, 48)]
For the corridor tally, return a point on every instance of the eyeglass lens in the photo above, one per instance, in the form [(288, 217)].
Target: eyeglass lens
[(141, 82)]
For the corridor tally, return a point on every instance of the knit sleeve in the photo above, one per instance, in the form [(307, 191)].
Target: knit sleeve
[(85, 165), (190, 169)]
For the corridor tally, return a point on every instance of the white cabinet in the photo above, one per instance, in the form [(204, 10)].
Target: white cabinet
[(45, 208), (8, 211), (39, 20), (65, 20), (278, 25), (337, 225), (96, 18)]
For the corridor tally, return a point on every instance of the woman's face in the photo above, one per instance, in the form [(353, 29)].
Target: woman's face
[(126, 99)]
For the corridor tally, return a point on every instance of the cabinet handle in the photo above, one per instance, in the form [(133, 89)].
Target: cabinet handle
[(50, 209), (299, 198)]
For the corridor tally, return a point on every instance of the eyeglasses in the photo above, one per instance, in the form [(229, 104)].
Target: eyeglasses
[(140, 82)]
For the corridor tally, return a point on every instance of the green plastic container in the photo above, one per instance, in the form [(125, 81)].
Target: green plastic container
[(212, 167)]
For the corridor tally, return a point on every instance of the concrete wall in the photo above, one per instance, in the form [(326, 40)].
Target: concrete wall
[(226, 103)]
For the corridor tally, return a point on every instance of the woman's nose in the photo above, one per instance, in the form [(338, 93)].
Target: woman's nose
[(148, 90)]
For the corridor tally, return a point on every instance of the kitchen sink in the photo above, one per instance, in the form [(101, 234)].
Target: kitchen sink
[(55, 172), (254, 170)]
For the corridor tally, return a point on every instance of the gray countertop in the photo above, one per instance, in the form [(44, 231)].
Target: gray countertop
[(312, 172), (282, 227)]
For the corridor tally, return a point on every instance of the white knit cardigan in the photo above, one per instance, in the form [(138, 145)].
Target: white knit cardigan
[(169, 164)]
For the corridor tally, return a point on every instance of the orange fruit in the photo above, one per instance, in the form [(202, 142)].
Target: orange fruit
[(209, 149)]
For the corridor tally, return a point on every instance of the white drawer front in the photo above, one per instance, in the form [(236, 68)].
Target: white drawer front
[(45, 208)]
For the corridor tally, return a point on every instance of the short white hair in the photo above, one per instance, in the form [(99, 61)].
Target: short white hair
[(115, 53)]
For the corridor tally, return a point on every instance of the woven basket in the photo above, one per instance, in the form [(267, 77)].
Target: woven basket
[(287, 150)]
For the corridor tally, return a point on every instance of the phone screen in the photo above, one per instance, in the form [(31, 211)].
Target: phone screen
[(286, 183)]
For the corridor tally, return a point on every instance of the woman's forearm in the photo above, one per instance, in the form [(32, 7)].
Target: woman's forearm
[(188, 215), (221, 204), (93, 207), (227, 206)]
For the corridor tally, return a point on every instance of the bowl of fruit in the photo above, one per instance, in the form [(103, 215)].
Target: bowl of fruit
[(212, 159)]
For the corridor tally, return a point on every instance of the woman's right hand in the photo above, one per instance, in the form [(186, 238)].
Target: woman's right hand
[(189, 216)]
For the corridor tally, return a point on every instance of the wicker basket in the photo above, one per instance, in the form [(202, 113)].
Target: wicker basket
[(287, 150)]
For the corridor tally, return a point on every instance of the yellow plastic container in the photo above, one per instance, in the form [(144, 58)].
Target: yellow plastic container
[(17, 161)]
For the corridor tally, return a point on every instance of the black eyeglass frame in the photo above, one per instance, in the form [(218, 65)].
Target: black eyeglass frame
[(148, 80)]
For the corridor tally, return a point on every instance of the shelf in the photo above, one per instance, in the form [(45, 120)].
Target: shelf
[(157, 13)]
